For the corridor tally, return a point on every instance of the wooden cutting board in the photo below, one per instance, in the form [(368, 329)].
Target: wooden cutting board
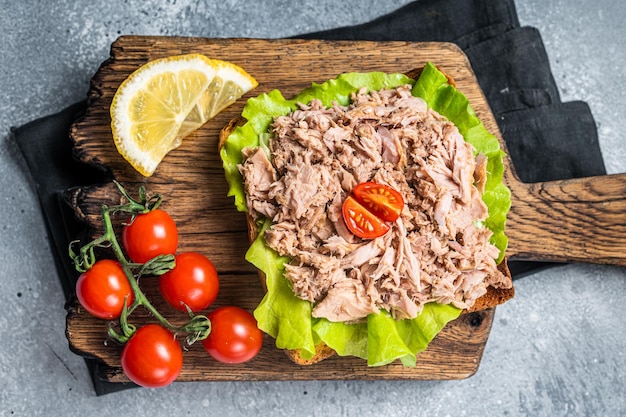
[(578, 220)]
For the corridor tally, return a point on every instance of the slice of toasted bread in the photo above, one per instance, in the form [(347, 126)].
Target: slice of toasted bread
[(492, 298)]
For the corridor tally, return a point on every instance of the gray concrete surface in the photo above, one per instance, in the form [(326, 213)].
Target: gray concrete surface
[(557, 349)]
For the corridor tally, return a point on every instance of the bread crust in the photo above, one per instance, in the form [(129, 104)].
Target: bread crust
[(493, 297)]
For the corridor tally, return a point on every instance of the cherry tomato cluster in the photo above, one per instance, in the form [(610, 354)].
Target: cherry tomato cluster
[(188, 281), (370, 207)]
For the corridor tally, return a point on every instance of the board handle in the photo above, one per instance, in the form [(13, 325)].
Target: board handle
[(574, 220)]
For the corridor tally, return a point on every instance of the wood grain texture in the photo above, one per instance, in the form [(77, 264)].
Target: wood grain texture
[(577, 220)]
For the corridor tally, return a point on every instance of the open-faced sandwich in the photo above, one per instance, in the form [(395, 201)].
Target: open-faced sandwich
[(376, 212)]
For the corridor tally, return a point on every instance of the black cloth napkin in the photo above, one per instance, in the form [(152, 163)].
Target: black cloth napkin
[(509, 61)]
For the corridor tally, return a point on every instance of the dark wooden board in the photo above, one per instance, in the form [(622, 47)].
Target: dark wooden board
[(192, 180)]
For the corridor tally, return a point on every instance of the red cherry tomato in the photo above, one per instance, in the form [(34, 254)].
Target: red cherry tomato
[(234, 337), (102, 289), (369, 207), (152, 357), (149, 235), (193, 282), (361, 221), (380, 199)]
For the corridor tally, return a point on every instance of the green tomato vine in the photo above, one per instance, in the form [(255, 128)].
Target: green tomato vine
[(198, 327)]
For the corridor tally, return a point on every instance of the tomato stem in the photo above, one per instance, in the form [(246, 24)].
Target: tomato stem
[(197, 327), (140, 298)]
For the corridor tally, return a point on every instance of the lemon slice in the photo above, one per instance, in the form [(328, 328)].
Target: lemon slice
[(167, 99)]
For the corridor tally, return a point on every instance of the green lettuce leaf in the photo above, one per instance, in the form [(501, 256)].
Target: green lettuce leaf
[(280, 314), (381, 339)]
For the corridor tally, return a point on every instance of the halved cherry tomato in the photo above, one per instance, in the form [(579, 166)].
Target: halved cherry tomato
[(152, 357), (234, 337), (380, 199), (149, 235), (362, 222), (192, 283), (102, 289)]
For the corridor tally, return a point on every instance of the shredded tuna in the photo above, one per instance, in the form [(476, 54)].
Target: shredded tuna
[(437, 251)]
